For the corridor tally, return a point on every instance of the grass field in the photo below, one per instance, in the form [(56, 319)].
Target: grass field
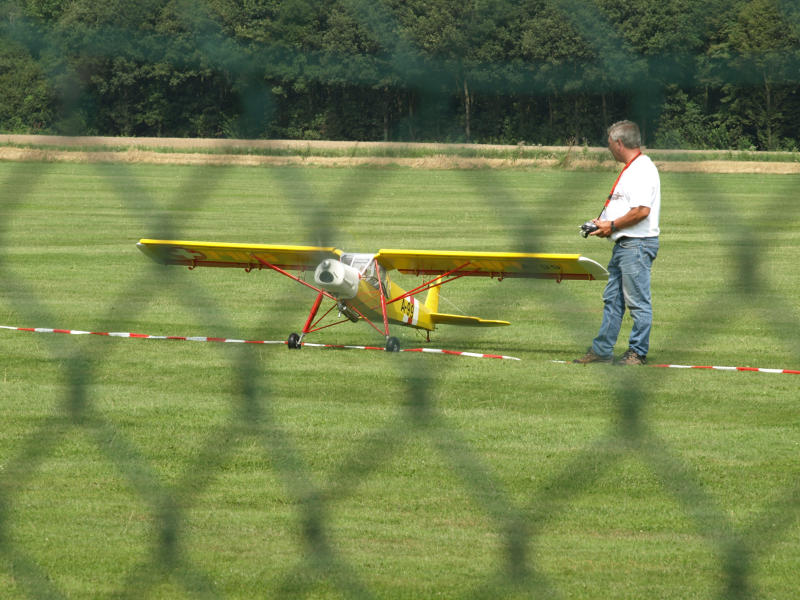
[(163, 469)]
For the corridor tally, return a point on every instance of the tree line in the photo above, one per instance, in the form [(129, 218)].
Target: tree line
[(713, 74)]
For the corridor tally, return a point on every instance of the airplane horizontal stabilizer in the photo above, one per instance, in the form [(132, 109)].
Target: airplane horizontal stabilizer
[(444, 319)]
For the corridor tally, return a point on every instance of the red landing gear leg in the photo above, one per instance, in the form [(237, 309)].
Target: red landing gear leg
[(392, 343), (295, 342)]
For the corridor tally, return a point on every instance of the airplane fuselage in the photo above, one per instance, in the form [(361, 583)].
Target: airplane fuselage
[(356, 281)]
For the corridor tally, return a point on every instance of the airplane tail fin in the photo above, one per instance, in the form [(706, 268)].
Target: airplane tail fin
[(432, 299)]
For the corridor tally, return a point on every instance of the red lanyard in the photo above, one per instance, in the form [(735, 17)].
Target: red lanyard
[(614, 187)]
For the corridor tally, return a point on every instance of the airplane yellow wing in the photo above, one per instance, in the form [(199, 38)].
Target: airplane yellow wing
[(492, 264), (213, 254)]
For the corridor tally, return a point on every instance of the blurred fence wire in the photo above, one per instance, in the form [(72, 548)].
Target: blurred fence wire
[(520, 525)]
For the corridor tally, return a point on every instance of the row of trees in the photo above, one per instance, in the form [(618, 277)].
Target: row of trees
[(713, 74)]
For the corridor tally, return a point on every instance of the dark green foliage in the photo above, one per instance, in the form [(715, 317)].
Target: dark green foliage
[(716, 74), (26, 103)]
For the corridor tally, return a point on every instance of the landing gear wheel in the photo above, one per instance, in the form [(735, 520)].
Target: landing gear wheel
[(293, 342), (392, 344)]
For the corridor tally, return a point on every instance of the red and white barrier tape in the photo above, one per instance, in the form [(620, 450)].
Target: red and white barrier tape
[(711, 368), (457, 353), (715, 368), (144, 336)]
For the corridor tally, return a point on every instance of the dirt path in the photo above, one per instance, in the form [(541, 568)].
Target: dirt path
[(190, 151)]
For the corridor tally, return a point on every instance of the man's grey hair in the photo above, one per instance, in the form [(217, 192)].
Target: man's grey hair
[(627, 132)]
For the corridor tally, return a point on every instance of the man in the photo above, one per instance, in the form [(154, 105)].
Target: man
[(630, 220)]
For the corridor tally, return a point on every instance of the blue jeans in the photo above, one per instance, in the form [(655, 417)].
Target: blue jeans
[(628, 286)]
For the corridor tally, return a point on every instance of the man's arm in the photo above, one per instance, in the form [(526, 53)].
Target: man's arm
[(632, 217)]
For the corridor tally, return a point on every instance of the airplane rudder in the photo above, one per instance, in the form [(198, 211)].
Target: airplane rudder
[(432, 299)]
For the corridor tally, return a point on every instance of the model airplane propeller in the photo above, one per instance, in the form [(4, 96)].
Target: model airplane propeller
[(359, 284)]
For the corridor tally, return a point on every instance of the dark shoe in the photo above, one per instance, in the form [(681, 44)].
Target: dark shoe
[(631, 358), (591, 357)]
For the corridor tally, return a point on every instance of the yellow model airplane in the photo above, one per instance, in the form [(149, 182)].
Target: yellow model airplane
[(359, 284)]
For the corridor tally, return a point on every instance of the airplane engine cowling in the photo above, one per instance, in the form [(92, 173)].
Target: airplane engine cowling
[(339, 279)]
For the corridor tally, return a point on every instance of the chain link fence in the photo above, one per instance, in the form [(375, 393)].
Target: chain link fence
[(170, 494)]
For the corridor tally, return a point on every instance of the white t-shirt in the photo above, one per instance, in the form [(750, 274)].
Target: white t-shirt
[(639, 185)]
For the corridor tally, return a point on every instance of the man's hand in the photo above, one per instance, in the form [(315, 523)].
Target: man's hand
[(632, 217), (603, 228)]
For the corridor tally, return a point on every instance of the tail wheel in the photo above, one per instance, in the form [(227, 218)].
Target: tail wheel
[(294, 341), (392, 344)]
